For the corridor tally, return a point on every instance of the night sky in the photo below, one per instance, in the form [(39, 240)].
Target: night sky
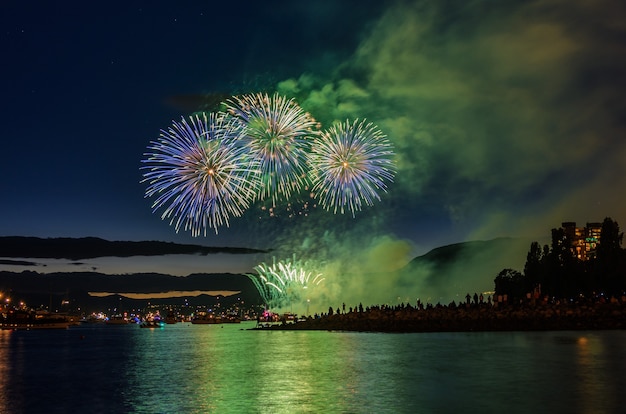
[(506, 117)]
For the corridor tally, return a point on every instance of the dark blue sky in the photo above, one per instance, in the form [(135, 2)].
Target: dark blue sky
[(87, 87), (506, 117)]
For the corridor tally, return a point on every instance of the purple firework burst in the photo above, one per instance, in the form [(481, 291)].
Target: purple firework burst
[(350, 164), (200, 173)]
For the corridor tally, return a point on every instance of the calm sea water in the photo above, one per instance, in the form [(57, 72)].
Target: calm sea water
[(186, 368)]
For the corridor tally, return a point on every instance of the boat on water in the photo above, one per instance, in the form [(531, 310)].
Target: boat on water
[(171, 318), (16, 319), (117, 320), (152, 324), (201, 321), (231, 319), (210, 319), (93, 318), (152, 321), (39, 324), (204, 318)]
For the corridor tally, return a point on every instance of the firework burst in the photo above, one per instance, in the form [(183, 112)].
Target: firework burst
[(283, 282), (277, 133), (200, 173), (350, 163)]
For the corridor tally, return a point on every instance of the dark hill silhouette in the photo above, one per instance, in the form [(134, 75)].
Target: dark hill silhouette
[(34, 288), (445, 255), (450, 272), (29, 281), (90, 247)]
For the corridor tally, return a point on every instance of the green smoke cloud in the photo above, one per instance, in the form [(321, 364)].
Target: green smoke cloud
[(505, 118)]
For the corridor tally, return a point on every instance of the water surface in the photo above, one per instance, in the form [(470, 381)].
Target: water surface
[(227, 368)]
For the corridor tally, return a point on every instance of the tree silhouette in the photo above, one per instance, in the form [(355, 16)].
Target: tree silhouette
[(559, 264), (610, 267), (561, 274), (512, 283), (535, 267)]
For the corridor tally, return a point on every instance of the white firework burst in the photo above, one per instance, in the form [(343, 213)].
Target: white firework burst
[(277, 133)]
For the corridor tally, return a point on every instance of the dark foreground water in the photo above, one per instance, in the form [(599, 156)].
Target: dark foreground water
[(188, 368)]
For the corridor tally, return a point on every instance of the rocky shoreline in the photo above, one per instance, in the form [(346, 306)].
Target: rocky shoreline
[(468, 318)]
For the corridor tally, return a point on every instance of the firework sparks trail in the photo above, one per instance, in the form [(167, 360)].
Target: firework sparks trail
[(350, 163), (278, 133), (200, 173), (283, 281)]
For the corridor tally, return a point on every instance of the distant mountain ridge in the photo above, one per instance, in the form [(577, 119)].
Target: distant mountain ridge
[(453, 252), (29, 281), (92, 247), (444, 273), (51, 288)]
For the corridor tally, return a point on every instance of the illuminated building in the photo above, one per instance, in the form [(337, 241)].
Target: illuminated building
[(583, 240)]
